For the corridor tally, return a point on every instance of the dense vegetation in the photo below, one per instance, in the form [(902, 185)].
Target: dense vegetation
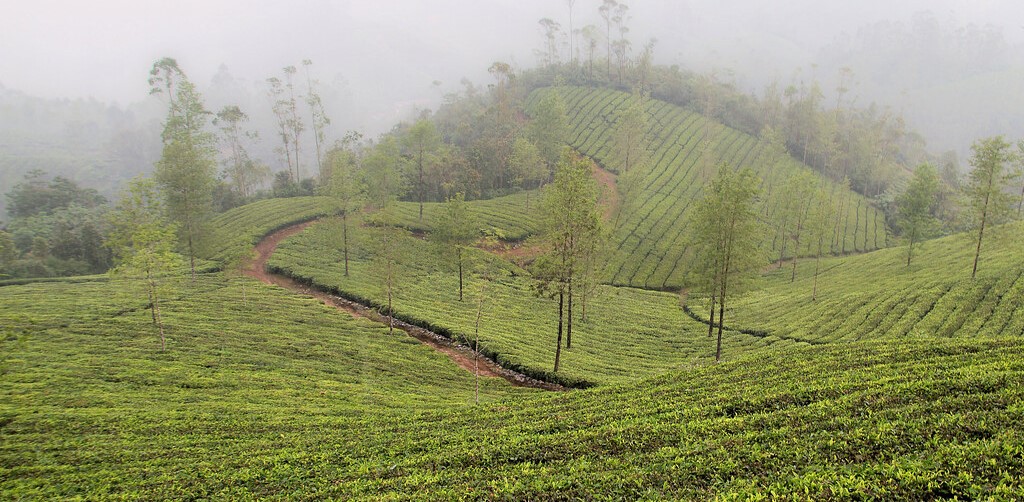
[(648, 246)]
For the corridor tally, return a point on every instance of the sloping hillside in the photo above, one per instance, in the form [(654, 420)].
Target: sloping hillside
[(649, 244), (876, 295)]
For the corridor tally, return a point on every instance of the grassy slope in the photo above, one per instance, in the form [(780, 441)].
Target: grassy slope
[(875, 295), (89, 404), (650, 241), (630, 333)]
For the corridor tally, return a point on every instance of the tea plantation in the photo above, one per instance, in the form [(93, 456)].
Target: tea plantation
[(877, 296), (629, 333), (649, 243)]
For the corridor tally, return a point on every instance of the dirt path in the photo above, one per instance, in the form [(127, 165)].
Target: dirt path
[(459, 354), (609, 191)]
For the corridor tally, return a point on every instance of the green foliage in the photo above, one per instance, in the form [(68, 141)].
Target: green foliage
[(142, 240), (383, 167), (647, 246), (81, 379), (727, 238), (986, 189), (186, 171), (549, 127), (455, 229), (35, 196), (916, 207)]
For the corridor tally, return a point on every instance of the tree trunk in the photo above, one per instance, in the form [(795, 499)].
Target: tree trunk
[(981, 230), (155, 306), (191, 255), (558, 343), (910, 248), (711, 316), (419, 187), (460, 273), (568, 324), (796, 250), (817, 265), (344, 238), (721, 324), (981, 233)]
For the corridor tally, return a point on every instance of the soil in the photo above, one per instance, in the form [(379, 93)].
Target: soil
[(461, 355), (609, 190)]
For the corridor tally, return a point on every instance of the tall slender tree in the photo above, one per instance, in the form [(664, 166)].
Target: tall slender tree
[(727, 236), (245, 172), (986, 188), (549, 126), (345, 184), (454, 229), (916, 205), (142, 240), (528, 169), (571, 226), (186, 171), (421, 141), (318, 117)]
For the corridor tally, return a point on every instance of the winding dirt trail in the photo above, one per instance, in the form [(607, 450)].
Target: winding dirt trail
[(459, 354)]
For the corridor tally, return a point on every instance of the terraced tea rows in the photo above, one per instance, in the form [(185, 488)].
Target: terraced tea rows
[(278, 396), (89, 406), (242, 227), (629, 334), (876, 296), (508, 217), (648, 245)]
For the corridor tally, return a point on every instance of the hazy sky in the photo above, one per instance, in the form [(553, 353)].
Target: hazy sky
[(103, 48), (390, 51)]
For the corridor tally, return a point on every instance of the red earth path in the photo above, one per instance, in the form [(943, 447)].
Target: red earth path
[(461, 355)]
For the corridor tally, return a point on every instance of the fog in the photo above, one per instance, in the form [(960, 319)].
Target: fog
[(382, 59)]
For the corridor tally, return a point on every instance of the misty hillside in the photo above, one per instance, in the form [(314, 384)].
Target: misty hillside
[(515, 250)]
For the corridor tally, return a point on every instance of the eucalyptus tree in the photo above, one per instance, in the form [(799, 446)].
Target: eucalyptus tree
[(345, 185), (551, 29), (245, 172), (987, 183), (915, 207), (289, 123), (607, 12), (382, 172), (549, 127), (421, 140), (142, 241), (571, 225), (186, 171), (454, 229), (318, 117), (528, 168), (800, 191), (726, 237)]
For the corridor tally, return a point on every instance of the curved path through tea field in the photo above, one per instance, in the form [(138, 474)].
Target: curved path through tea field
[(461, 355)]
